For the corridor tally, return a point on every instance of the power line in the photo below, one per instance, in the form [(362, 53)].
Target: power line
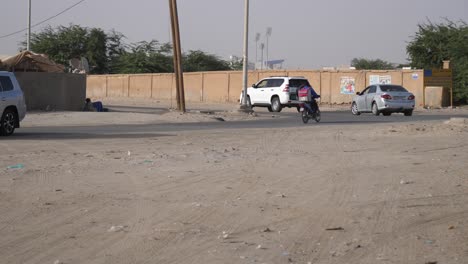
[(43, 21)]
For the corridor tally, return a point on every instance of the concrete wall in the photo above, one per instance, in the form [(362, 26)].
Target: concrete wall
[(227, 86), (437, 96), (58, 91)]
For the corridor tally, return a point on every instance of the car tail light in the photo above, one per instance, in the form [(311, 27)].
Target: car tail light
[(386, 96), (286, 88), (411, 97)]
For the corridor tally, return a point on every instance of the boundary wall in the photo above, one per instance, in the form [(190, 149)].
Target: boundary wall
[(54, 91), (226, 86)]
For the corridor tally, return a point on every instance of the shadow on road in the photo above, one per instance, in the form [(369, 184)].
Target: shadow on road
[(283, 120), (44, 135)]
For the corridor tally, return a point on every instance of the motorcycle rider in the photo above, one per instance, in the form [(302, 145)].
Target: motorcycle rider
[(313, 104)]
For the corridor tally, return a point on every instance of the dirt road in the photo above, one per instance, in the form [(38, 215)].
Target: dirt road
[(387, 193)]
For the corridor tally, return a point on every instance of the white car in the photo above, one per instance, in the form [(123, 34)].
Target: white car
[(12, 104), (275, 92), (385, 99)]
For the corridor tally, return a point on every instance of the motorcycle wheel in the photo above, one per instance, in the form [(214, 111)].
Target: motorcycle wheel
[(305, 116), (317, 116)]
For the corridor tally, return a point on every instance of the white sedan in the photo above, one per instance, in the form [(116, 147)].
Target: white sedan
[(385, 99)]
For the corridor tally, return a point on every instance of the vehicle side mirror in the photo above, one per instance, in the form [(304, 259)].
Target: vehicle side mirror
[(254, 86)]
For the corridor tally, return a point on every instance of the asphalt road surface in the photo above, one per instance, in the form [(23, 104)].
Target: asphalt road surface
[(286, 119)]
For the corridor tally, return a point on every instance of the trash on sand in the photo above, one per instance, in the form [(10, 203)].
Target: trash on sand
[(282, 195), (58, 190), (58, 262), (405, 182), (431, 262), (16, 167), (451, 227), (129, 153), (116, 229), (429, 242), (266, 230), (147, 161), (259, 247), (220, 119), (334, 228), (224, 236)]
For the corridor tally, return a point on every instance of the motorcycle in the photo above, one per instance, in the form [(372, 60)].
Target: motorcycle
[(307, 113)]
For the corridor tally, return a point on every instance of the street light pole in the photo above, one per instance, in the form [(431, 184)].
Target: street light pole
[(257, 38), (262, 47), (28, 37), (268, 34), (244, 106)]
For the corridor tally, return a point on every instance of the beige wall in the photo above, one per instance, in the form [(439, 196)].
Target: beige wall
[(57, 91), (415, 84), (117, 86), (193, 87), (163, 86), (227, 86)]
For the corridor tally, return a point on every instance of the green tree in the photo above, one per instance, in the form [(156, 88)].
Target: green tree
[(115, 48), (65, 43), (434, 43), (368, 64), (197, 60), (145, 57), (107, 52)]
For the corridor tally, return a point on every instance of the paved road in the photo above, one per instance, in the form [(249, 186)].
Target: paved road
[(276, 120)]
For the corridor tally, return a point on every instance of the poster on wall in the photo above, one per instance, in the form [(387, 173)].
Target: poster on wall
[(347, 85), (380, 79), (373, 79), (386, 79)]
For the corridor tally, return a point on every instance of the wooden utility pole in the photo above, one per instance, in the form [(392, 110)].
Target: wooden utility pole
[(179, 75)]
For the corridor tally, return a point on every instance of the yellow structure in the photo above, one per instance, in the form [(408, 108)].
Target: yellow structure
[(226, 86)]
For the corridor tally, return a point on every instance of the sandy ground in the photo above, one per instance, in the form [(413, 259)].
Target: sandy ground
[(386, 193)]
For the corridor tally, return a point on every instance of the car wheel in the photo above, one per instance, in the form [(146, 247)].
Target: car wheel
[(270, 109), (8, 122), (276, 104), (386, 113), (375, 109), (408, 112), (354, 109)]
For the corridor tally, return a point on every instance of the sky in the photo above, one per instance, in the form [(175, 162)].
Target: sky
[(307, 34)]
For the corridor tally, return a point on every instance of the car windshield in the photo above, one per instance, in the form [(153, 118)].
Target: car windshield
[(392, 88), (298, 82)]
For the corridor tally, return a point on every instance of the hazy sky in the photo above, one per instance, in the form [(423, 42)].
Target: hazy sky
[(306, 33)]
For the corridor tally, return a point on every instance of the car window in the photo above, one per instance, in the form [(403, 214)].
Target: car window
[(372, 89), (298, 82), (275, 82), (366, 91), (392, 88), (5, 84), (262, 84)]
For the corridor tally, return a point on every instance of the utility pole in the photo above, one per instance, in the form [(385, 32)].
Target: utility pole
[(28, 37), (244, 106), (179, 75)]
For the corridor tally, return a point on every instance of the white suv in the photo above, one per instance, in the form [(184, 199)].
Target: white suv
[(12, 104), (275, 92)]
